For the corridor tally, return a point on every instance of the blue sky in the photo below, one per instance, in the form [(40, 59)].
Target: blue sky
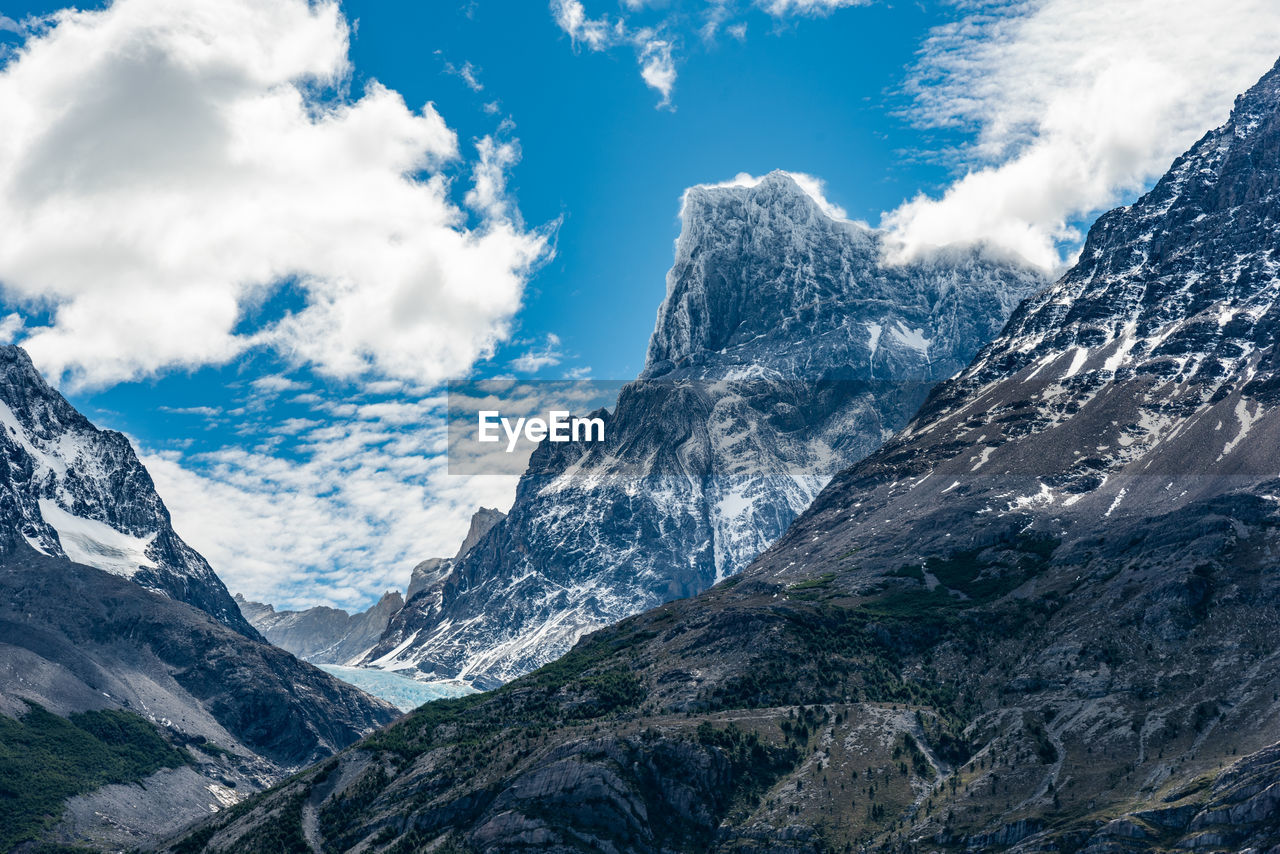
[(807, 95), (311, 473)]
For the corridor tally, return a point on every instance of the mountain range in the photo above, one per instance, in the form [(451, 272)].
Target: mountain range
[(324, 635), (1041, 618)]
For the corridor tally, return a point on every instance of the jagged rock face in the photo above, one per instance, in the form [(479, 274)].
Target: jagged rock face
[(785, 349), (323, 635), (68, 489), (1042, 619), (428, 574), (431, 573), (481, 522)]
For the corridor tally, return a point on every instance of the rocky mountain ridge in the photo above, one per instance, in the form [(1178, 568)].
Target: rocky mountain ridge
[(323, 635), (104, 609), (68, 489)]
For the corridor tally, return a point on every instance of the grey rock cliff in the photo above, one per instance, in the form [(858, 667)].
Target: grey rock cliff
[(430, 573)]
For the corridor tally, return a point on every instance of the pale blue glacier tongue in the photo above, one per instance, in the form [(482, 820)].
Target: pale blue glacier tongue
[(400, 691)]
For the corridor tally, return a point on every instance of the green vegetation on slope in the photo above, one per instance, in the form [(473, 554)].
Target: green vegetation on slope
[(46, 759)]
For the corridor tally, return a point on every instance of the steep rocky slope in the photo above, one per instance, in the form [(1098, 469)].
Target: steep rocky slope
[(74, 638), (784, 350), (68, 489), (1044, 618)]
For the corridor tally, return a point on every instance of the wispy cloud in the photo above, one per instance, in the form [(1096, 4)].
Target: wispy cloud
[(488, 193), (294, 426), (467, 73), (653, 52), (783, 8), (167, 167), (535, 359), (596, 33), (275, 384), (10, 327), (1073, 107), (205, 411), (656, 42), (657, 68)]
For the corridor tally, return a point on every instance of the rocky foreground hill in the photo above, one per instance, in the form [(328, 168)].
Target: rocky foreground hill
[(1044, 618)]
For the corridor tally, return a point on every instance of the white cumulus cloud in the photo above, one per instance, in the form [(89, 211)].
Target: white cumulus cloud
[(1074, 106), (166, 168)]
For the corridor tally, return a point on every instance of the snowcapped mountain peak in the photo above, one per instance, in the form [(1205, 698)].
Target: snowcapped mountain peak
[(787, 196), (71, 490), (762, 267), (785, 349)]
